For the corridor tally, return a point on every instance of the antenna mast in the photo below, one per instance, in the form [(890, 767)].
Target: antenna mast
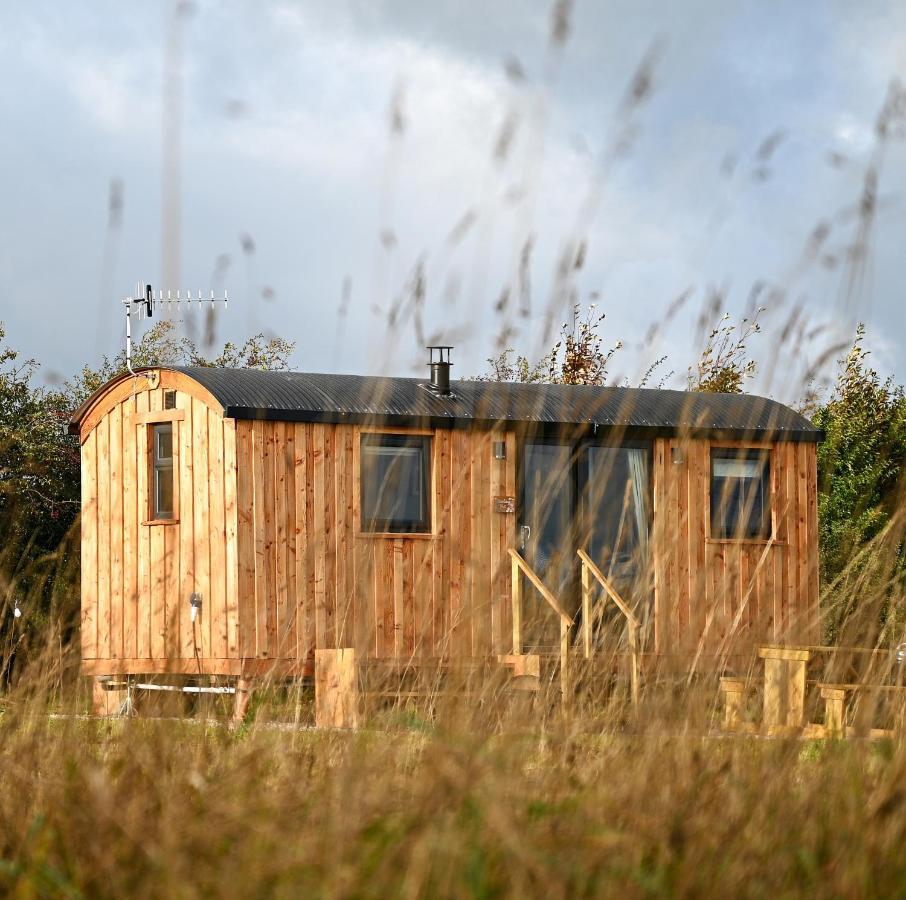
[(144, 301)]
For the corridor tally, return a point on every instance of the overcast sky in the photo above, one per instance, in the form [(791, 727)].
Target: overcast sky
[(332, 143)]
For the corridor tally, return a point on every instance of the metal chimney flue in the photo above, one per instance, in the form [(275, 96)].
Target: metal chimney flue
[(440, 369)]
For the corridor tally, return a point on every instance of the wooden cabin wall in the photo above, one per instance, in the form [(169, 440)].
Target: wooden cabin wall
[(720, 597), (309, 577), (136, 577)]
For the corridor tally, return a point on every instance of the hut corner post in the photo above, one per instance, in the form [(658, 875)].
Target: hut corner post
[(336, 689)]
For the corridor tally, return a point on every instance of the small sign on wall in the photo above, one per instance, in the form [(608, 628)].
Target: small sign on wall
[(506, 505)]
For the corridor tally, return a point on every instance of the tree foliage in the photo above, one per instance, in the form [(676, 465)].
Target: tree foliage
[(724, 365), (861, 459), (164, 345), (577, 357)]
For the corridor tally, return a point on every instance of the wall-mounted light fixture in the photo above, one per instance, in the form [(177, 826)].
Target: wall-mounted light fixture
[(194, 606), (677, 456), (499, 449)]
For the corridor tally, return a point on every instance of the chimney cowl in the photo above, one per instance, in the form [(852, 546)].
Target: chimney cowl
[(440, 369)]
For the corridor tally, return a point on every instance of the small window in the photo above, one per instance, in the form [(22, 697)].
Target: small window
[(395, 483), (740, 494), (169, 399), (162, 506)]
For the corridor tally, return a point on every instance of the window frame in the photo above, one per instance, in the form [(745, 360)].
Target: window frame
[(396, 528), (154, 516), (768, 530)]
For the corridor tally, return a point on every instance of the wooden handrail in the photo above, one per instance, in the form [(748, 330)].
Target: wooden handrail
[(566, 620), (611, 590), (588, 566), (542, 588)]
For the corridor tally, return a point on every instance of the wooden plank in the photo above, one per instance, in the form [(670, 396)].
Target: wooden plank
[(486, 600), (508, 529), (497, 532), (260, 668), (424, 596), (201, 524), (103, 538), (157, 415), (408, 592), (312, 532), (281, 559), (364, 618), (262, 470), (158, 591), (791, 573), (319, 535), (721, 596), (269, 519), (231, 527), (185, 433), (586, 611), (398, 608), (115, 476), (131, 526), (802, 544), (379, 597), (217, 538), (301, 598), (345, 541), (813, 612), (661, 601), (516, 593), (767, 601), (247, 546), (461, 540), (173, 604), (673, 539), (291, 647), (143, 536), (683, 549), (385, 557), (477, 578), (699, 478), (88, 521), (330, 537), (443, 548)]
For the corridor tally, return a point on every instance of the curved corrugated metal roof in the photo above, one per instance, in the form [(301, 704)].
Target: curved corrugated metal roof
[(298, 396)]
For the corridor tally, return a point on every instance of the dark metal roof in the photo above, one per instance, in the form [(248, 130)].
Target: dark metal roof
[(297, 396)]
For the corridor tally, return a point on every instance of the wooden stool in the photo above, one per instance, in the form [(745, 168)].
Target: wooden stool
[(733, 690)]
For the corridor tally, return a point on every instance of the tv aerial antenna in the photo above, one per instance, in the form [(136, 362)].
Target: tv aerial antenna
[(144, 302)]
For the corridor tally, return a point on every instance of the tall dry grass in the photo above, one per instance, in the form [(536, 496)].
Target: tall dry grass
[(480, 802)]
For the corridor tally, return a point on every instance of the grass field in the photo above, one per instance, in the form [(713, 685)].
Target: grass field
[(480, 803)]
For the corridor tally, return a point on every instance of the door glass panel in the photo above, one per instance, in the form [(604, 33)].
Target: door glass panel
[(615, 498), (548, 504)]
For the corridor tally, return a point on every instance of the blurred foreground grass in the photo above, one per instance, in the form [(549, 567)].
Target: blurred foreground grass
[(532, 807)]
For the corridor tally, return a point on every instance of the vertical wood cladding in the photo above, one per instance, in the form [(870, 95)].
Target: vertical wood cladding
[(311, 578), (137, 576), (269, 534), (720, 596)]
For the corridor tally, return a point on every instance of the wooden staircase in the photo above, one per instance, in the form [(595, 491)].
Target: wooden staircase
[(590, 574)]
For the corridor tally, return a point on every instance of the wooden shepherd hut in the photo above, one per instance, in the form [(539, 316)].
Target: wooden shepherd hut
[(236, 521)]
